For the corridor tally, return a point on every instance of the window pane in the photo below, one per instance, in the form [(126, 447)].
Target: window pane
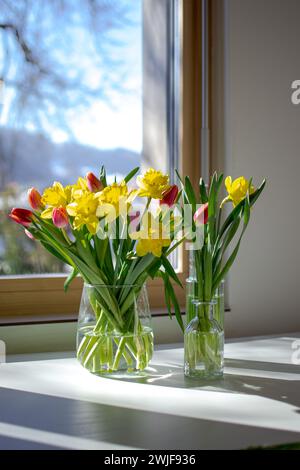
[(71, 101)]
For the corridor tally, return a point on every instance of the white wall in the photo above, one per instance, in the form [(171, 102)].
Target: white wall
[(262, 57)]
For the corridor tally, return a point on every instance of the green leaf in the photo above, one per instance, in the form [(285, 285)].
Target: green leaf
[(137, 268), (84, 250), (212, 199), (172, 299), (176, 306), (219, 182), (170, 270), (178, 196), (102, 176), (208, 275), (212, 186), (164, 277), (254, 196), (176, 245), (199, 273), (108, 265), (100, 247), (203, 191), (226, 268), (220, 251), (118, 261), (230, 234), (53, 231), (152, 271), (70, 278), (233, 255), (131, 174), (143, 265), (236, 211), (53, 251), (190, 194), (247, 210), (56, 246), (231, 217), (179, 177)]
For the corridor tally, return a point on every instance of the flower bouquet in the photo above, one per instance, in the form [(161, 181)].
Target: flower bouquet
[(92, 227), (216, 240)]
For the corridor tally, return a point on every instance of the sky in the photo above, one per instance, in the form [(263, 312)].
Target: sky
[(115, 122)]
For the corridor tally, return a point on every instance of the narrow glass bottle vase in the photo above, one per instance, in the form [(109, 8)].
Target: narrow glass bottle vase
[(204, 343), (190, 289), (192, 295), (220, 307)]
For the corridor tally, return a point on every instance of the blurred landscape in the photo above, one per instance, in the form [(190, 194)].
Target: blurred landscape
[(70, 102), (31, 159)]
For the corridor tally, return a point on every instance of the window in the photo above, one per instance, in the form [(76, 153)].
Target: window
[(138, 66)]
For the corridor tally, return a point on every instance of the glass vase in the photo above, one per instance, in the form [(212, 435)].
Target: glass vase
[(220, 307), (190, 289), (204, 343), (191, 296), (114, 332)]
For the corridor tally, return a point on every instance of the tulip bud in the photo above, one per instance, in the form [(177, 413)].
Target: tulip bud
[(60, 217), (134, 220), (29, 234), (201, 214), (169, 196), (21, 216), (34, 199), (134, 215), (94, 184)]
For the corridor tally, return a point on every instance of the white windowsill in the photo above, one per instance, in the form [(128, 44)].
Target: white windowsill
[(50, 400)]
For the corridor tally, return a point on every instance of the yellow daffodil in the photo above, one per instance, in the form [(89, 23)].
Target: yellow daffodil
[(114, 200), (55, 196), (237, 190), (153, 184), (79, 188), (84, 209), (152, 237)]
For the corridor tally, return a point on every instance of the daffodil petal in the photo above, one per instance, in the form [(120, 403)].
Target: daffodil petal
[(47, 213), (141, 249), (228, 183)]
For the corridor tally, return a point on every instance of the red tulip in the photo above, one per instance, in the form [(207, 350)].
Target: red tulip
[(201, 214), (94, 184), (21, 216), (35, 199), (60, 217), (169, 196)]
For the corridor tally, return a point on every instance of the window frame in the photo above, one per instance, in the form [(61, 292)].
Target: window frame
[(41, 298)]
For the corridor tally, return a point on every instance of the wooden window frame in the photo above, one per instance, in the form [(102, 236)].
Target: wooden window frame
[(25, 299)]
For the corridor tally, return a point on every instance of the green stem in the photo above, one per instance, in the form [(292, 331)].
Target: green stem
[(119, 353), (66, 236)]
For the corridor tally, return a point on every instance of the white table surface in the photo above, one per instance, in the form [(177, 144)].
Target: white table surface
[(50, 401)]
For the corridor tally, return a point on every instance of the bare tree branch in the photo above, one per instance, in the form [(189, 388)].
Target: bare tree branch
[(38, 41)]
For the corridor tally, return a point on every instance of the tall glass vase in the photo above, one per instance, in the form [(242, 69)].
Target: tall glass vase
[(220, 307), (114, 331), (191, 296), (204, 343), (191, 282)]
